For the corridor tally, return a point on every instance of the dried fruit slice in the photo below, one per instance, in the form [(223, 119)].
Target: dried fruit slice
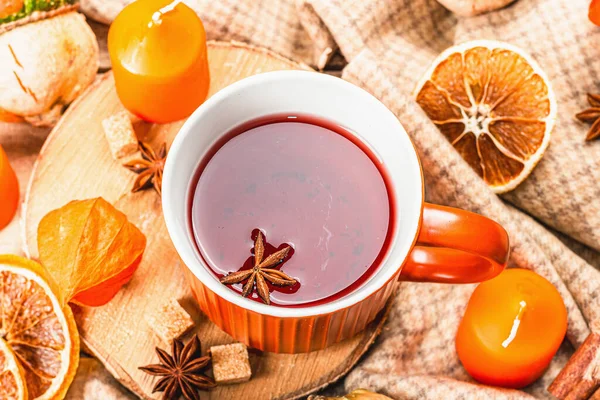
[(12, 378), (42, 336), (495, 105)]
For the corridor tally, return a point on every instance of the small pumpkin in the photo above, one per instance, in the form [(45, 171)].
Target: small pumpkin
[(358, 394), (48, 57)]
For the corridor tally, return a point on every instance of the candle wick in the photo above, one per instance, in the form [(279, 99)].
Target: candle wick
[(516, 323), (157, 16)]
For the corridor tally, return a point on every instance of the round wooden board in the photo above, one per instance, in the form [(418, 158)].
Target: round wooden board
[(75, 163)]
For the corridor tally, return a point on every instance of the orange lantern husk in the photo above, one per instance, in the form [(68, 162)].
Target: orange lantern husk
[(90, 249)]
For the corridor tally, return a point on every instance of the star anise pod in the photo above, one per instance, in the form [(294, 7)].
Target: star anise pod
[(262, 270), (149, 168), (182, 372), (591, 115)]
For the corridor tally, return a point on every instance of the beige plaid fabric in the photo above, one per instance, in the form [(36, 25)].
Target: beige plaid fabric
[(389, 44)]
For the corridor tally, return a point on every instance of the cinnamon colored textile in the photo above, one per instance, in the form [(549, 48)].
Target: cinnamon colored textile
[(553, 218)]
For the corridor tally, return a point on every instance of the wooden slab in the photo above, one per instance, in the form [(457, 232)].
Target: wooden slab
[(75, 163)]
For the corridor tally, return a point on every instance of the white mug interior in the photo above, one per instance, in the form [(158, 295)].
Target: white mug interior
[(294, 92)]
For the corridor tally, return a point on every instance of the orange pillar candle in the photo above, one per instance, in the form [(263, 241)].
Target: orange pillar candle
[(158, 53), (9, 190), (512, 327)]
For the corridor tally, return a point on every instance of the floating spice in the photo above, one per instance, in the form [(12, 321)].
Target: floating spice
[(262, 270)]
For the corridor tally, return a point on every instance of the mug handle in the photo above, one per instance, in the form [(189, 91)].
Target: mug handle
[(456, 246)]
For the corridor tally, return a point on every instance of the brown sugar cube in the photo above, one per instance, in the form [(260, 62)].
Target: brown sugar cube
[(170, 322), (119, 132), (230, 363)]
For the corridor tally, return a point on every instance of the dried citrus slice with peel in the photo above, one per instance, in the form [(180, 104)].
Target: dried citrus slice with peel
[(494, 104), (41, 335), (12, 378)]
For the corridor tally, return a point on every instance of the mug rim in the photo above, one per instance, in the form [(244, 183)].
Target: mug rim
[(196, 266)]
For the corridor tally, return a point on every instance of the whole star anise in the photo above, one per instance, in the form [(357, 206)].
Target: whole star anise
[(261, 271), (149, 168), (182, 372), (591, 115)]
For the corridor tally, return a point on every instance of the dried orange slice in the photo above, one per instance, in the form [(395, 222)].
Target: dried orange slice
[(495, 105), (35, 332), (12, 378)]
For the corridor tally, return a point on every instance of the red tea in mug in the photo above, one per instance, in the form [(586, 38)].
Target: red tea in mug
[(306, 183)]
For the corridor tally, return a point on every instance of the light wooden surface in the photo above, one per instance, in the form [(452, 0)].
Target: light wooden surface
[(75, 163)]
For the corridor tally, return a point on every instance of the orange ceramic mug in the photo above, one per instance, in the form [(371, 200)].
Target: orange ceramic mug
[(429, 243)]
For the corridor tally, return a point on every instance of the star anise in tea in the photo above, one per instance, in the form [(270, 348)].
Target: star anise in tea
[(591, 115), (149, 168), (182, 372), (261, 271)]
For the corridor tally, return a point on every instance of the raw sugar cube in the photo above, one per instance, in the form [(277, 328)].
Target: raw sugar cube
[(170, 322), (230, 363), (120, 135)]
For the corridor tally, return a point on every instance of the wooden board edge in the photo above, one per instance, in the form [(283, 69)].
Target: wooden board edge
[(258, 49), (343, 369), (118, 373)]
